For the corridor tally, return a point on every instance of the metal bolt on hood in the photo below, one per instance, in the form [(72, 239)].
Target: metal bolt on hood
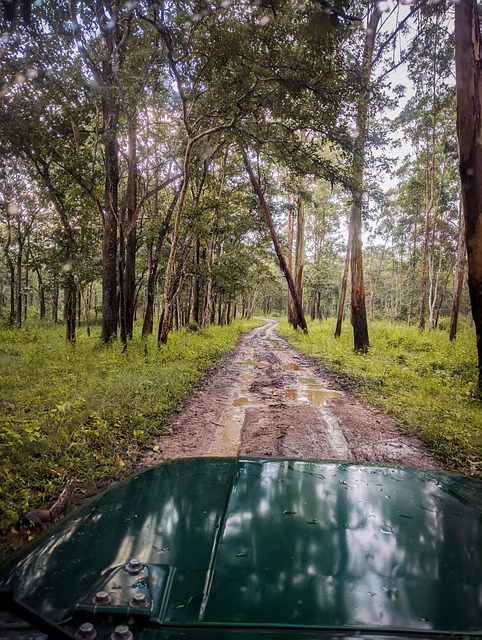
[(122, 632)]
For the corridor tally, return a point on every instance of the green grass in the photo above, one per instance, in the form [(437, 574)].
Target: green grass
[(81, 411), (422, 379)]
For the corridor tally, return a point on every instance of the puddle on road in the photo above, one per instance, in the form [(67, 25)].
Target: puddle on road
[(226, 440), (253, 363), (290, 366), (227, 437), (312, 391), (241, 402)]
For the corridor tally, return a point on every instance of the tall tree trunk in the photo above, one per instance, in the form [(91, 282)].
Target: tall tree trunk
[(424, 270), (434, 276), (413, 262), (429, 206), (300, 247), (110, 225), (291, 234), (300, 320), (344, 282), (468, 65), (458, 280), (131, 229), (358, 307)]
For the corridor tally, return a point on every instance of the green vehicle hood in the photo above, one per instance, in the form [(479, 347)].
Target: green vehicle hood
[(240, 547)]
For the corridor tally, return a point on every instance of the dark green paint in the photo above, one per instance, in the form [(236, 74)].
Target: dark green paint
[(266, 542)]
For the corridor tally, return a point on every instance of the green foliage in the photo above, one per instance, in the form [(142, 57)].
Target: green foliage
[(80, 411), (422, 379)]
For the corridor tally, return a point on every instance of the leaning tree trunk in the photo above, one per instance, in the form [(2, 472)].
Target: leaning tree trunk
[(358, 306), (468, 64), (300, 321), (458, 281)]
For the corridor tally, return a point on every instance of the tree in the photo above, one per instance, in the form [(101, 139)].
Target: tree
[(468, 64), (358, 307), (300, 315)]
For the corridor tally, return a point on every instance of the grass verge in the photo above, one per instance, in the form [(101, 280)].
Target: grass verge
[(80, 411), (421, 379)]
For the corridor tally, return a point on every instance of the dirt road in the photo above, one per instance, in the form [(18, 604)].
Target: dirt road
[(266, 399)]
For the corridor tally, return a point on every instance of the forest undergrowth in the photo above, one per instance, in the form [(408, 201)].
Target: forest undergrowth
[(79, 411), (425, 382)]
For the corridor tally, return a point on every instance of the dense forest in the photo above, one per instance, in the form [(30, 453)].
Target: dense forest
[(153, 154)]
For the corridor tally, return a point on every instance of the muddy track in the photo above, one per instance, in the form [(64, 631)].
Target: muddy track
[(265, 399)]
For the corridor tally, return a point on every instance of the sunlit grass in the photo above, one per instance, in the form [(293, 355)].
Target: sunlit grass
[(422, 379), (79, 411)]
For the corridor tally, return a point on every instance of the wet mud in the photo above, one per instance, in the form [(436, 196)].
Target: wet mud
[(266, 399)]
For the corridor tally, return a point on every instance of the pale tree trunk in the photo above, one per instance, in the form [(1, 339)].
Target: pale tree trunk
[(401, 285), (413, 262), (344, 283), (300, 320), (458, 280), (468, 64), (426, 235), (358, 307), (434, 278)]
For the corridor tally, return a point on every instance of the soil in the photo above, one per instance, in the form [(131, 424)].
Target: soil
[(266, 399)]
